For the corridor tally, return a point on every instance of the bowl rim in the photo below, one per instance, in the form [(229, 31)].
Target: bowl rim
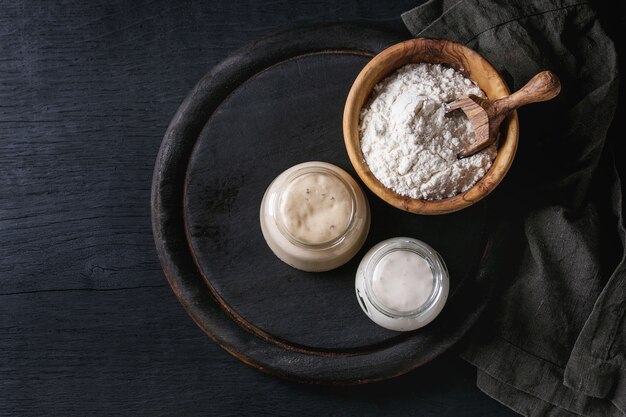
[(401, 54)]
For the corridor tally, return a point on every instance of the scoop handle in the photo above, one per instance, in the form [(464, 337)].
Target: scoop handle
[(542, 87)]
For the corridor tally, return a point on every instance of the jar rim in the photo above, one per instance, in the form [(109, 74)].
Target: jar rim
[(434, 260), (276, 201)]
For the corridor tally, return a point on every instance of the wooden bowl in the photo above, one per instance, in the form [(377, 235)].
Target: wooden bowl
[(435, 51)]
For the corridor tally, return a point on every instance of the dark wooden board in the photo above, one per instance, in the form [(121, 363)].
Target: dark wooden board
[(88, 323), (271, 105)]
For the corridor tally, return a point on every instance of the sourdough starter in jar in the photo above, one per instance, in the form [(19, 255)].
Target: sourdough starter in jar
[(314, 216)]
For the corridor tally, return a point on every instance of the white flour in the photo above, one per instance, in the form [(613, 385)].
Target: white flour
[(408, 141)]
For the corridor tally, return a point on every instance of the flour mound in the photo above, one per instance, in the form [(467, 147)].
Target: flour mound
[(408, 141)]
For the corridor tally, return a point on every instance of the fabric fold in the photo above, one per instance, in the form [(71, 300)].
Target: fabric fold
[(552, 341), (596, 366), (517, 400)]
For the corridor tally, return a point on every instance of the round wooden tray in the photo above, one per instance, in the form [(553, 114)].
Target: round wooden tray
[(275, 103)]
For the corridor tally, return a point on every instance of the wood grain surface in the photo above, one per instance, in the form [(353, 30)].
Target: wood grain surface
[(486, 115), (272, 104), (434, 51), (88, 324)]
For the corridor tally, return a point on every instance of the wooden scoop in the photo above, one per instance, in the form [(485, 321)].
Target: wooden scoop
[(487, 115)]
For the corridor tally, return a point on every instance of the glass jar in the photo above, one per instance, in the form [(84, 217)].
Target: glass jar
[(314, 216), (402, 284)]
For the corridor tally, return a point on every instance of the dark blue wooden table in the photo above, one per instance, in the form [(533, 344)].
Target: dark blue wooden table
[(88, 324)]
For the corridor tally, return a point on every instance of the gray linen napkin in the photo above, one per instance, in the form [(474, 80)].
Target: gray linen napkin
[(554, 340)]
